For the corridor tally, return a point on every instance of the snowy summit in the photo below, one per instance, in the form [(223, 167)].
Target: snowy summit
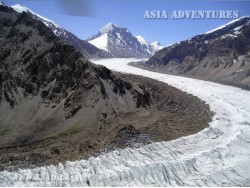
[(110, 26)]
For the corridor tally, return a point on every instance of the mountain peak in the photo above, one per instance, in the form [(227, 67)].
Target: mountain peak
[(108, 27), (157, 46)]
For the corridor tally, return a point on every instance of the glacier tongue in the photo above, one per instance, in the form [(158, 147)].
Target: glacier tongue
[(217, 156)]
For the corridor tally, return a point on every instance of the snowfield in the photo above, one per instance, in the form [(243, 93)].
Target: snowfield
[(217, 156), (101, 42)]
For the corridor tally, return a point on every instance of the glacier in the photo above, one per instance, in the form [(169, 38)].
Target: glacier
[(219, 155)]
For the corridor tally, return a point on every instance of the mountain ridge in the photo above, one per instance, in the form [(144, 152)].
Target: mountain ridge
[(83, 46), (220, 55)]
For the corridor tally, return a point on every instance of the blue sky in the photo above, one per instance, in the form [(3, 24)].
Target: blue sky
[(129, 14)]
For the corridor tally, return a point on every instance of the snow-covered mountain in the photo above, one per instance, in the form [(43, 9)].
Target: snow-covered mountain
[(83, 46), (121, 43)]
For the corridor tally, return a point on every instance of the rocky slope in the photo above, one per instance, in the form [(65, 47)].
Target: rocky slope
[(221, 55), (120, 42), (87, 49), (56, 106), (48, 88)]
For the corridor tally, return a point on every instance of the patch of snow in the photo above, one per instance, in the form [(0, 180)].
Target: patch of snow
[(223, 26), (228, 35), (217, 156), (240, 70), (236, 31), (156, 45), (20, 8), (238, 28), (100, 42), (119, 36), (141, 40)]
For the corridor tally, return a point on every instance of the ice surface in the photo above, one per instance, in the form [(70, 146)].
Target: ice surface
[(217, 156)]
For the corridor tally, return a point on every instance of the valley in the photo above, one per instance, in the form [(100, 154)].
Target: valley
[(114, 109), (216, 156)]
